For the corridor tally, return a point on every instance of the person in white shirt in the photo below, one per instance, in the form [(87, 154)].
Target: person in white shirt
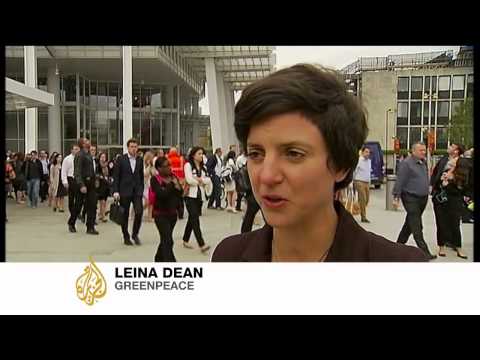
[(67, 177), (229, 183), (214, 168), (361, 181), (199, 187)]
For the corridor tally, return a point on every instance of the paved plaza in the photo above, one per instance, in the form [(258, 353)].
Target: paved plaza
[(41, 235)]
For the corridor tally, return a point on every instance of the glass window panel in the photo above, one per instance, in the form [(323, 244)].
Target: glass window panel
[(427, 84), (156, 124), (136, 96), (69, 122), (455, 106), (43, 144), (415, 113), (434, 84), (458, 82), (402, 113), (112, 95), (470, 85), (11, 127), (102, 88), (156, 98), (42, 123), (402, 133), (21, 124), (415, 135), (443, 108), (70, 85), (442, 138), (444, 83), (81, 83), (136, 116), (12, 145), (145, 131), (425, 113), (403, 84), (113, 126), (417, 83)]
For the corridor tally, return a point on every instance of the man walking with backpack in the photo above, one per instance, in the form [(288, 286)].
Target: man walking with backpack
[(214, 168)]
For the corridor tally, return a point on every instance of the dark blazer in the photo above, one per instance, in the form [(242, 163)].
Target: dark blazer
[(125, 182), (28, 164), (210, 165), (83, 171), (437, 174), (351, 244)]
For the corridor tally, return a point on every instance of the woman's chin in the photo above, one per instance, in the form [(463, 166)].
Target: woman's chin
[(277, 219)]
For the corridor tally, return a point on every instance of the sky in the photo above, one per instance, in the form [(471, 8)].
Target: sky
[(335, 56)]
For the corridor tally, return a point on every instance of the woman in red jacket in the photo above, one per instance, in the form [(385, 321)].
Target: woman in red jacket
[(177, 163)]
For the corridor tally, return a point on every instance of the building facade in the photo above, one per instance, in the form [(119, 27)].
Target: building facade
[(111, 93), (406, 96)]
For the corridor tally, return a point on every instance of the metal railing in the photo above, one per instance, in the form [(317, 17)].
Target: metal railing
[(399, 61)]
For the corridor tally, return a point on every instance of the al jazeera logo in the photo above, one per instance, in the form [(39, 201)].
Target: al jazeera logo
[(91, 285)]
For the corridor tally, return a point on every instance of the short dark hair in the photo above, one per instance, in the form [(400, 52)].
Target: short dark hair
[(364, 148), (33, 152), (132, 140), (217, 150), (460, 148), (231, 155), (321, 96), (160, 161)]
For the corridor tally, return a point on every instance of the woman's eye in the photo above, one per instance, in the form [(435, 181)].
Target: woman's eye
[(295, 154), (253, 155)]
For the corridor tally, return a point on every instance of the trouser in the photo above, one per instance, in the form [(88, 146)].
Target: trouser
[(181, 208), (71, 194), (89, 200), (447, 218), (165, 225), (240, 196), (414, 206), (363, 190), (33, 187), (44, 187), (194, 207), (216, 192), (252, 209), (137, 208)]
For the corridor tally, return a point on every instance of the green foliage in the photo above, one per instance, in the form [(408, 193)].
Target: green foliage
[(461, 126)]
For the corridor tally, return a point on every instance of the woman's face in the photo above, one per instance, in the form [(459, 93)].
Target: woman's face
[(165, 169), (198, 156), (59, 159), (103, 157), (287, 164)]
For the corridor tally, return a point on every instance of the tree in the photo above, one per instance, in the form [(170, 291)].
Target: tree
[(461, 127)]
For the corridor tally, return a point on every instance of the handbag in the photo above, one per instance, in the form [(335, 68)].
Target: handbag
[(117, 213), (441, 197)]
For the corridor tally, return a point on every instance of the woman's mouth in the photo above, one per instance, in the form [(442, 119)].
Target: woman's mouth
[(273, 201)]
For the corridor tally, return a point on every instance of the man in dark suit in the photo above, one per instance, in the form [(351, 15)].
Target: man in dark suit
[(128, 188), (93, 154), (84, 175), (214, 169)]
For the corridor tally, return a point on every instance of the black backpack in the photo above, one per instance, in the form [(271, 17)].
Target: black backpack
[(242, 180)]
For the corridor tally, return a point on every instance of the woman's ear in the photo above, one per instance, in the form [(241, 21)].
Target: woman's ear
[(341, 175)]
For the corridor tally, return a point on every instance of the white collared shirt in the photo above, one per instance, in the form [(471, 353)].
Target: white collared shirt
[(241, 161), (44, 166), (218, 167), (67, 168), (133, 162)]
